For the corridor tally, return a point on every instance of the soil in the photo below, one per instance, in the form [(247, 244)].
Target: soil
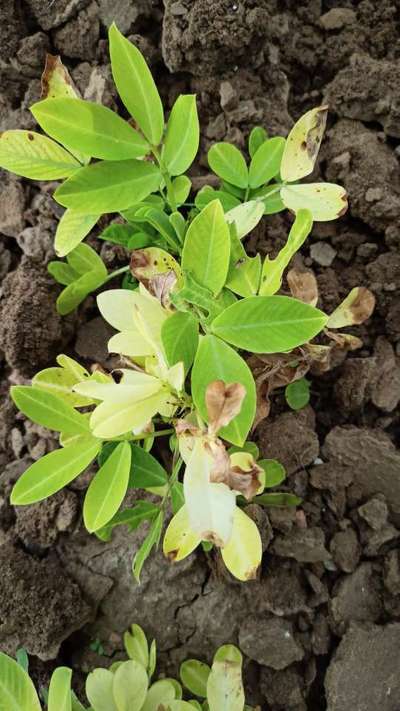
[(320, 628)]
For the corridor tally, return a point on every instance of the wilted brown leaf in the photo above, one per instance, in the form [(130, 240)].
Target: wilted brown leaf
[(355, 309), (56, 81), (161, 286), (223, 403), (303, 286), (239, 471)]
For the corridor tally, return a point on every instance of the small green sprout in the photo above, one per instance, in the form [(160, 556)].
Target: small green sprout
[(127, 685), (203, 331)]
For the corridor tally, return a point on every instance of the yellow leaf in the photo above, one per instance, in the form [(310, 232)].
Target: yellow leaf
[(210, 506), (302, 144), (111, 419), (130, 343), (132, 387), (355, 309), (325, 201), (116, 307), (179, 539), (242, 554)]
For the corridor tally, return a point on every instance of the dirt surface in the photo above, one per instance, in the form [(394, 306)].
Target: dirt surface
[(320, 629)]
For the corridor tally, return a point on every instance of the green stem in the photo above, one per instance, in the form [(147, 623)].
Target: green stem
[(167, 179), (116, 273), (148, 435)]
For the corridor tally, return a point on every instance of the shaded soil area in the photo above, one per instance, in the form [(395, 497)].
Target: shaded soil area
[(320, 629)]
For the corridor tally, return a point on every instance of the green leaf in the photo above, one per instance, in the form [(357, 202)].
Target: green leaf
[(229, 164), (152, 539), (180, 337), (258, 136), (181, 187), (266, 162), (215, 360), (272, 272), (136, 645), (271, 198), (142, 511), (90, 128), (194, 676), (99, 690), (207, 248), (136, 86), (60, 382), (22, 658), (297, 394), (108, 186), (76, 704), (54, 471), (325, 201), (119, 234), (269, 324), (225, 687), (277, 499), (48, 410), (162, 692), (146, 471), (160, 222), (208, 194), (76, 292), (62, 273), (178, 222), (274, 472), (35, 156), (60, 689), (244, 276), (245, 217), (249, 447), (72, 229), (181, 141), (177, 497), (130, 686), (17, 692), (108, 488), (228, 653), (152, 658), (84, 259)]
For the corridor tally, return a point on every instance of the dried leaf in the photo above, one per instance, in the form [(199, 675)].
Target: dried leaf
[(56, 81), (303, 286), (223, 402), (161, 286), (150, 262), (355, 309), (245, 475)]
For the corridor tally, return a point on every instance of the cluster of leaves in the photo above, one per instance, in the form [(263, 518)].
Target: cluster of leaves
[(195, 304), (128, 685)]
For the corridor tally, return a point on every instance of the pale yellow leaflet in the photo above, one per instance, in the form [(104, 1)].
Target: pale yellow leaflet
[(179, 539), (210, 506), (302, 145), (116, 307), (243, 552), (111, 419), (325, 201), (130, 343)]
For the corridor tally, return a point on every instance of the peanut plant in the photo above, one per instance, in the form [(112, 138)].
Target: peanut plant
[(201, 331), (128, 685)]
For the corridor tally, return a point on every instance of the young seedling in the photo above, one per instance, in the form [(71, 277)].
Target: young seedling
[(202, 333), (128, 686)]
